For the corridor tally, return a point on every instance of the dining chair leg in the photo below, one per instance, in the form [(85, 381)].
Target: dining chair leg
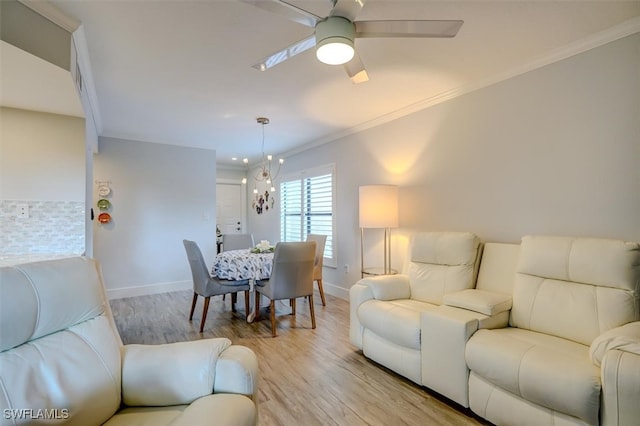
[(321, 290), (204, 313), (273, 318), (246, 303), (292, 302), (193, 305), (312, 311)]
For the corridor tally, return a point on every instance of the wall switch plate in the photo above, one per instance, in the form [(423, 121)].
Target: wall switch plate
[(22, 211)]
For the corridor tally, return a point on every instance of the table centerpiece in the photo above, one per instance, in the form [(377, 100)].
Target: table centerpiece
[(264, 246)]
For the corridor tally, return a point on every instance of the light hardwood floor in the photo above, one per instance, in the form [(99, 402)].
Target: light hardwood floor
[(307, 377)]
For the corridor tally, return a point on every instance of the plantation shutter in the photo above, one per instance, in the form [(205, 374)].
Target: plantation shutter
[(307, 207)]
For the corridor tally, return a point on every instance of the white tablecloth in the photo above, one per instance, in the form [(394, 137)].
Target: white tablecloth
[(242, 265)]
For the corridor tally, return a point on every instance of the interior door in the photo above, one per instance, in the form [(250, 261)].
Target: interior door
[(229, 214)]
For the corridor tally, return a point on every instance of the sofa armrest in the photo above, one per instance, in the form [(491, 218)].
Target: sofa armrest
[(620, 376), (384, 287), (170, 374), (444, 335), (237, 372), (623, 337), (388, 287), (483, 302)]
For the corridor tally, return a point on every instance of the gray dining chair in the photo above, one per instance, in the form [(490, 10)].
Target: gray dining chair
[(291, 277), (207, 286), (321, 241), (237, 241)]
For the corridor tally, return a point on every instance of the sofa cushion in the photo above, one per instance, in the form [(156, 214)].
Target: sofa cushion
[(441, 263), (596, 261), (576, 288), (36, 298), (397, 321), (546, 370), (146, 416), (220, 409), (77, 369)]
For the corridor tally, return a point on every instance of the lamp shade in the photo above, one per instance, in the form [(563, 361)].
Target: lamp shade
[(378, 206)]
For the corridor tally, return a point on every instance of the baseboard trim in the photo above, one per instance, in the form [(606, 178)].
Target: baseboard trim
[(143, 290), (336, 291)]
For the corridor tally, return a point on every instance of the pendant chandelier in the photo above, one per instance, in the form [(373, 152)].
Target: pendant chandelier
[(264, 174)]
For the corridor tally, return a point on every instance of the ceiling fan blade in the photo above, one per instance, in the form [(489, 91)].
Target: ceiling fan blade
[(286, 53), (347, 8), (355, 70), (289, 11), (445, 28)]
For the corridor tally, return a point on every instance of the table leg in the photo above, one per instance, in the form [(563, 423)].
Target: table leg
[(251, 315)]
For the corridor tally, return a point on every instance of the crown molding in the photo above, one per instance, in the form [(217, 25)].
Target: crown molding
[(82, 58), (53, 14), (624, 29)]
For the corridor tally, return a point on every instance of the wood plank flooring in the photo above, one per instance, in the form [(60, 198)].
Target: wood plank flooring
[(307, 377)]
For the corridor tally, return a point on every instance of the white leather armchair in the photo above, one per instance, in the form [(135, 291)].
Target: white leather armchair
[(61, 358)]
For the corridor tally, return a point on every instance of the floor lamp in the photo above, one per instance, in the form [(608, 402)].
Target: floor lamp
[(378, 208)]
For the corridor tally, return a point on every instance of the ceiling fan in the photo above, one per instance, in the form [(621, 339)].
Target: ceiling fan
[(334, 34)]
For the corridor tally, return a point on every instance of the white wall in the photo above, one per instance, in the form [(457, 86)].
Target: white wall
[(553, 151), (42, 166), (41, 156), (161, 194), (228, 173)]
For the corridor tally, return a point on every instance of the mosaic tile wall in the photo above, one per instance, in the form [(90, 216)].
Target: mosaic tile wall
[(52, 227)]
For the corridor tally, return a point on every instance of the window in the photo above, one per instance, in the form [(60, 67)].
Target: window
[(307, 207)]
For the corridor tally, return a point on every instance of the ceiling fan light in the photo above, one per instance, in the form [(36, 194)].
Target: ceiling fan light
[(334, 40), (335, 51)]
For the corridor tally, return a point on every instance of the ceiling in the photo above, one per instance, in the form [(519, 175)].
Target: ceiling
[(179, 72)]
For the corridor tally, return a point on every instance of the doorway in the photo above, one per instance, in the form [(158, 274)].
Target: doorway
[(231, 207)]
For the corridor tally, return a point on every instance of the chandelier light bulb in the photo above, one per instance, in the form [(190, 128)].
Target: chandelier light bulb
[(244, 180), (264, 177)]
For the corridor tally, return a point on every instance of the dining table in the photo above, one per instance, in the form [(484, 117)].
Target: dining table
[(244, 264)]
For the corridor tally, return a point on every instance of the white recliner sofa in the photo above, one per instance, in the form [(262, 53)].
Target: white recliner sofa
[(549, 335), (62, 360), (575, 304)]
